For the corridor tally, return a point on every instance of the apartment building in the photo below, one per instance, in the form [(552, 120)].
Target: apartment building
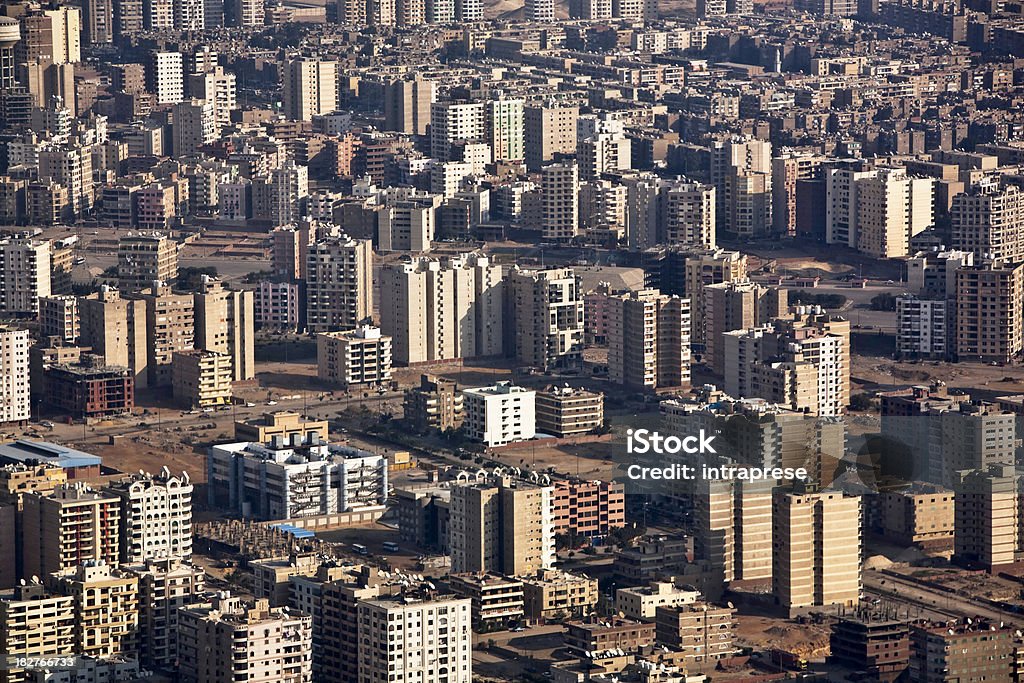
[(988, 222), (594, 635), (891, 209), (591, 509), (226, 638), (989, 301), (549, 129), (741, 173), (816, 537), (145, 258), (969, 648), (89, 388), (873, 642), (499, 414), (58, 317), (201, 379), (407, 105), (271, 576), (310, 87), (642, 602), (496, 600), (933, 274), (736, 305), (455, 122), (224, 323), (987, 516), (436, 643), (115, 328), (566, 411), (505, 525), (733, 528), (438, 310), (106, 608), (410, 224), (702, 632), (277, 306), (423, 514), (560, 208), (547, 317), (436, 403), (15, 390), (24, 275), (702, 268), (170, 327), (802, 364), (339, 290), (282, 424), (649, 340), (166, 585), (550, 593), (285, 480), (921, 515), (34, 623), (68, 527), (156, 516), (924, 327), (359, 357), (688, 214)]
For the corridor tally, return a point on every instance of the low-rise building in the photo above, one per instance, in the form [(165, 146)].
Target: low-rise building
[(497, 600), (872, 642), (922, 515), (282, 423), (286, 480), (423, 515), (90, 389), (200, 379), (702, 632), (76, 464), (270, 575), (499, 414), (642, 602), (565, 411), (435, 404), (359, 356), (551, 593), (615, 633), (973, 649)]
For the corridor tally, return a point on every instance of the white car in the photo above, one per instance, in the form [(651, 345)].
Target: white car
[(271, 403)]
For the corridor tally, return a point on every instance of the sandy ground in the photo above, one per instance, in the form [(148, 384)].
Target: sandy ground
[(807, 640)]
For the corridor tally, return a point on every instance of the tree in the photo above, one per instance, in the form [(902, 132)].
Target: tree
[(860, 402), (190, 277), (883, 302)]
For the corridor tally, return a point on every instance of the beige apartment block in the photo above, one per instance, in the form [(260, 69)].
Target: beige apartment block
[(170, 327), (565, 411), (709, 267), (359, 356), (281, 423), (649, 340), (547, 317), (69, 526), (733, 521), (701, 631), (34, 623), (106, 604), (737, 305), (145, 258), (226, 640), (560, 198), (496, 599), (339, 289), (165, 585), (549, 129), (58, 317), (270, 575), (438, 310), (436, 643), (201, 379), (817, 544), (435, 404), (552, 592), (989, 304), (922, 515), (225, 323), (115, 328), (988, 222), (642, 602), (987, 516), (504, 526)]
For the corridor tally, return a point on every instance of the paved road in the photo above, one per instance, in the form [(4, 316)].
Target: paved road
[(948, 603)]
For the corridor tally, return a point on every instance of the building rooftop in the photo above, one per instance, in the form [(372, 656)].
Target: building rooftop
[(31, 452)]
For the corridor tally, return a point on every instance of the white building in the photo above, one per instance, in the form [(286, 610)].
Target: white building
[(359, 356), (641, 602), (15, 395), (218, 88), (167, 78), (891, 209), (923, 327), (58, 317), (435, 642), (290, 479), (24, 275), (156, 516), (499, 414), (452, 122)]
